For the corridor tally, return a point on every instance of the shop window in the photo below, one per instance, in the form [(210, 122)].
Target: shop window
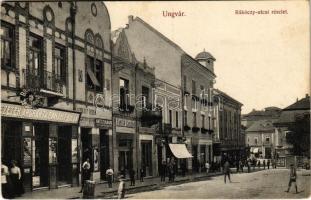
[(7, 46), (59, 62)]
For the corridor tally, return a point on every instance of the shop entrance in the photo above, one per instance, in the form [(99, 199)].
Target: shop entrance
[(64, 155), (40, 165), (86, 141), (11, 142), (104, 153), (146, 156), (125, 161)]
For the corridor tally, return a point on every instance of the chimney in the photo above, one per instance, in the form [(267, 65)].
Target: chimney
[(307, 95), (297, 99), (130, 18)]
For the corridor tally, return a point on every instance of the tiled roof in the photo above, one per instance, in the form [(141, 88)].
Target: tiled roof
[(261, 125), (302, 104)]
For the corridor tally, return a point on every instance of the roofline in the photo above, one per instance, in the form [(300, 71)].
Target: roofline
[(187, 55), (159, 34), (229, 97)]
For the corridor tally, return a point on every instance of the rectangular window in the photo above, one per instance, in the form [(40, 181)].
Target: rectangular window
[(185, 83), (124, 92), (145, 94), (194, 119), (267, 139), (7, 46), (94, 69), (256, 141), (59, 62), (170, 116), (185, 118), (35, 59), (193, 87), (176, 119), (203, 121)]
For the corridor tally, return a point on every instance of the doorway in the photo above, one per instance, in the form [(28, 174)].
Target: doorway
[(40, 147), (64, 155), (104, 153)]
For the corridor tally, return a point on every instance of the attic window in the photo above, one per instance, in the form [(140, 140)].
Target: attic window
[(60, 4)]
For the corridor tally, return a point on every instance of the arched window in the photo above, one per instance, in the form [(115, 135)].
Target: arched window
[(89, 36), (98, 41)]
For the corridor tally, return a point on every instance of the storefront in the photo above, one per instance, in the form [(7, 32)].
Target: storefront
[(95, 145), (44, 142), (125, 146), (146, 154)]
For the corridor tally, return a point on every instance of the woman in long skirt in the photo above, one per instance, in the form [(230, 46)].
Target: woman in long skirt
[(16, 176)]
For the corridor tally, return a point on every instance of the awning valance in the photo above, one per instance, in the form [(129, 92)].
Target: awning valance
[(180, 151)]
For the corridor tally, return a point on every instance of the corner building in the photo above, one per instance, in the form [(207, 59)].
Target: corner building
[(56, 90)]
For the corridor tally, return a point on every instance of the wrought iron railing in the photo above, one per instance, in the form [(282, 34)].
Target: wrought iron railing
[(43, 80)]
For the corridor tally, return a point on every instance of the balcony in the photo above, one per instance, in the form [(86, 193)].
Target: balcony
[(45, 80), (151, 116), (125, 108), (204, 131), (186, 128), (195, 129)]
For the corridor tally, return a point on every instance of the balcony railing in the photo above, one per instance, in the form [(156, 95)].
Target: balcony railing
[(42, 80)]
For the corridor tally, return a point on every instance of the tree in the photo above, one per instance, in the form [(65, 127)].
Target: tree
[(299, 135)]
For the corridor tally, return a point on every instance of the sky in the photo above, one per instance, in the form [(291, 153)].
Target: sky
[(262, 60)]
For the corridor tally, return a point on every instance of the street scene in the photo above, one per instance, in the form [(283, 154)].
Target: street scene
[(157, 101)]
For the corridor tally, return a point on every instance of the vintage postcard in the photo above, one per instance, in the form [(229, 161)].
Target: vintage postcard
[(155, 100)]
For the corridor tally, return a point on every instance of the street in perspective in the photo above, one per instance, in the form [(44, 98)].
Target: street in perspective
[(155, 100)]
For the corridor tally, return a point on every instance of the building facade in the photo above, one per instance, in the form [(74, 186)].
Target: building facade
[(56, 90), (198, 116), (228, 143)]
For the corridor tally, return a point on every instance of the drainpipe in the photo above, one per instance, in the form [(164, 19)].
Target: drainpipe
[(73, 11), (137, 131)]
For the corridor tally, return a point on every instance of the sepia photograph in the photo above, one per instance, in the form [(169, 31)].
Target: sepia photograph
[(155, 99)]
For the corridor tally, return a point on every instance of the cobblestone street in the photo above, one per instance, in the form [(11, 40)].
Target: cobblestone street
[(261, 184)]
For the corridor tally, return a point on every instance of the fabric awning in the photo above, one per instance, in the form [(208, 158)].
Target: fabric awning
[(180, 151), (256, 150), (92, 76)]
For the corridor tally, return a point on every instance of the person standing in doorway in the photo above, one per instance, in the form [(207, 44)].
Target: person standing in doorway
[(227, 171), (109, 174), (86, 172), (292, 178), (5, 182)]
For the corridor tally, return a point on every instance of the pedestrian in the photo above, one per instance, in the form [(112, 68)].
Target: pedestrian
[(292, 178), (6, 186), (142, 174), (258, 164), (207, 167), (15, 174), (254, 164), (268, 164), (264, 164), (241, 165), (86, 172), (109, 174), (163, 170), (249, 166), (121, 188), (132, 177), (227, 171), (237, 166)]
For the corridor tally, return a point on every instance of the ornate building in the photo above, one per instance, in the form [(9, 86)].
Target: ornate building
[(56, 90)]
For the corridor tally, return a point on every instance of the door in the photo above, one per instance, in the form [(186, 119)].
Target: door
[(64, 174), (40, 165), (104, 153)]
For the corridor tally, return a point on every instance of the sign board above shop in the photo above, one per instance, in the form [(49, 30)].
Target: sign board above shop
[(40, 114)]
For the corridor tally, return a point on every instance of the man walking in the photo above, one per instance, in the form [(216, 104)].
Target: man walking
[(292, 178), (121, 188), (227, 171), (264, 164), (207, 166), (132, 177), (109, 174), (268, 164), (163, 170), (248, 165)]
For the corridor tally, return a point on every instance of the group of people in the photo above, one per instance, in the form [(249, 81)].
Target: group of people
[(168, 169), (11, 180)]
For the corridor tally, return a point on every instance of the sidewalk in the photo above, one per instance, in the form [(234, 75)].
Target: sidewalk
[(102, 190)]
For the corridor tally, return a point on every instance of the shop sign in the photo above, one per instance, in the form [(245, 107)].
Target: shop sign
[(41, 114), (206, 142), (103, 123), (147, 130), (27, 151), (125, 123), (87, 122)]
